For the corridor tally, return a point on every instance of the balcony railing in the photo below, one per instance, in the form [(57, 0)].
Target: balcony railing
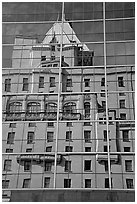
[(71, 116)]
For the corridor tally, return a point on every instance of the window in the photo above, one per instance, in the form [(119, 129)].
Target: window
[(15, 107), (69, 83), (49, 149), (87, 82), (43, 58), (52, 47), (104, 104), (55, 65), (69, 107), (126, 149), (25, 84), (27, 165), (8, 85), (105, 135), (129, 183), (30, 137), (7, 165), (102, 94), (128, 165), (101, 121), (103, 81), (52, 57), (29, 150), (68, 166), (122, 116), (87, 165), (87, 109), (46, 182), (67, 183), (87, 136), (5, 183), (87, 149), (50, 136), (50, 124), (10, 139), (52, 81), (12, 125), (122, 104), (69, 124), (51, 107), (125, 135), (48, 166), (68, 149), (32, 124), (26, 183), (105, 148), (106, 165), (87, 183), (69, 136), (121, 94), (9, 150), (106, 182), (41, 82), (120, 82), (33, 107)]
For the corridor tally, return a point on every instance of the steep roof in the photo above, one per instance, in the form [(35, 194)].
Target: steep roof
[(69, 35)]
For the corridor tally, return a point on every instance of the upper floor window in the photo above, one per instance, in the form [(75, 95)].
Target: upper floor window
[(68, 166), (41, 82), (87, 165), (43, 58), (87, 136), (122, 103), (52, 81), (30, 137), (69, 136), (52, 47), (69, 107), (10, 139), (50, 136), (27, 166), (49, 149), (8, 85), (128, 165), (105, 135), (67, 183), (25, 84), (125, 135), (103, 81), (120, 82), (52, 57), (9, 150), (87, 82), (69, 83), (68, 149), (87, 109), (7, 165), (5, 183), (48, 166), (33, 107), (87, 183), (46, 182), (104, 104), (26, 183), (51, 107), (122, 116), (129, 183), (15, 107)]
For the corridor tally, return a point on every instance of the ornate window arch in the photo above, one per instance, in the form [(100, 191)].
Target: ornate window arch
[(69, 107), (15, 107), (33, 107), (51, 107)]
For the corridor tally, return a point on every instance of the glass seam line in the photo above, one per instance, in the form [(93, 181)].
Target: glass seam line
[(107, 123)]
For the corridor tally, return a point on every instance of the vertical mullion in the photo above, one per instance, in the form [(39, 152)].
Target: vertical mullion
[(105, 66), (59, 91)]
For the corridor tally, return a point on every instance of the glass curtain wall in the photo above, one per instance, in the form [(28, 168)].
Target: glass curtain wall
[(68, 95)]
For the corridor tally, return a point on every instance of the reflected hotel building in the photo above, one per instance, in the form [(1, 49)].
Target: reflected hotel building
[(68, 101)]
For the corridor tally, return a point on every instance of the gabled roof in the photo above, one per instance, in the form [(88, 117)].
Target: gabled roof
[(69, 35)]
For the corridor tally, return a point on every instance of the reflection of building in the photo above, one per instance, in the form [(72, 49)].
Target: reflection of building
[(55, 115)]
